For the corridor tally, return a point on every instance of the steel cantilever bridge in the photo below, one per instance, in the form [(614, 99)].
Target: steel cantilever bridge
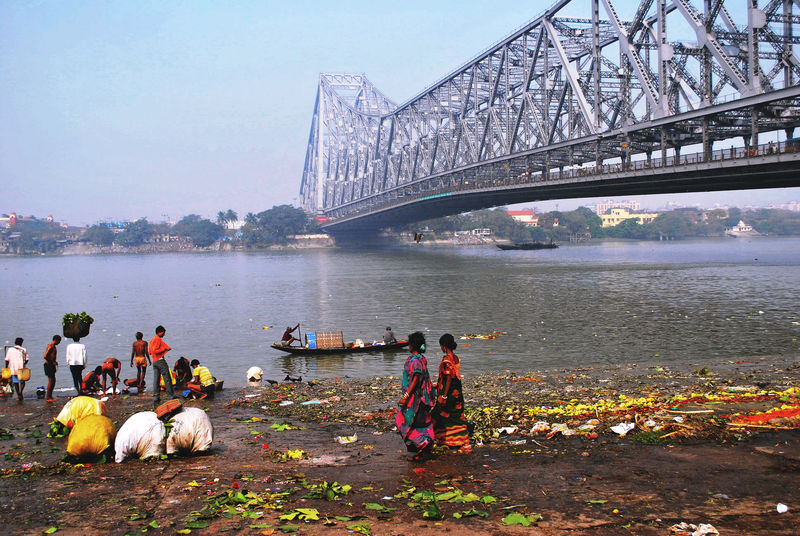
[(666, 97)]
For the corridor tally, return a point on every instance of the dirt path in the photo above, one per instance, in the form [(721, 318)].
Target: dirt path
[(603, 486)]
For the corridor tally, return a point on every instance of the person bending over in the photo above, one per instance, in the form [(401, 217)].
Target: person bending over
[(183, 371), (91, 382), (111, 367)]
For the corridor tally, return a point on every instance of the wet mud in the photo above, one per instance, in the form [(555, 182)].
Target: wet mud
[(264, 477)]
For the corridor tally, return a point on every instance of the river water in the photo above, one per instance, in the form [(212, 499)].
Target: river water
[(578, 305)]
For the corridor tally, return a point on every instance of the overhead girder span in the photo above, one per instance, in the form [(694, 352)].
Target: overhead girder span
[(630, 83)]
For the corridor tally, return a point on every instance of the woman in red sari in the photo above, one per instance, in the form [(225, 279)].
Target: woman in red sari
[(449, 426)]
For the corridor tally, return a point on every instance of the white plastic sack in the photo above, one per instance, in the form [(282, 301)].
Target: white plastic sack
[(142, 435), (254, 374), (191, 432)]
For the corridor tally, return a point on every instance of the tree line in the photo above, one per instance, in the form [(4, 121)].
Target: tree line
[(674, 225), (273, 226)]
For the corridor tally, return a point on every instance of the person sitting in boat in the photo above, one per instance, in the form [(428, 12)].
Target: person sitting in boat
[(388, 336), (288, 338)]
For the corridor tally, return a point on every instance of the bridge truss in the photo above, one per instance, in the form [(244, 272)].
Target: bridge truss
[(561, 95)]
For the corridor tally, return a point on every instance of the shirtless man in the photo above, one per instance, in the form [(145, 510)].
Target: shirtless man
[(50, 366), (111, 367), (91, 382), (141, 357)]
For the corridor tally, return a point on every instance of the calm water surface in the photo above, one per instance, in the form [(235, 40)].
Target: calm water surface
[(606, 303)]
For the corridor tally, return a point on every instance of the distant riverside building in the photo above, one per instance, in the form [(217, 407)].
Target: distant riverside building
[(525, 217), (603, 206), (741, 229), (235, 225), (618, 215), (794, 206)]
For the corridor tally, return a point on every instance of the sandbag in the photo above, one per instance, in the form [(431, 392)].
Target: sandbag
[(142, 435), (91, 436), (78, 408), (191, 432)]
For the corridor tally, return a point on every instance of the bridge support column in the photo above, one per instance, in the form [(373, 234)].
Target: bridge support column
[(754, 127), (546, 172), (706, 142), (598, 158), (663, 146)]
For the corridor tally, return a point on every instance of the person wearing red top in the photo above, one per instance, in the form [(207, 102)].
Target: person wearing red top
[(50, 366), (158, 349)]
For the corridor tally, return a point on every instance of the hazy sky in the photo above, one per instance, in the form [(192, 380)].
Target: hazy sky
[(118, 110)]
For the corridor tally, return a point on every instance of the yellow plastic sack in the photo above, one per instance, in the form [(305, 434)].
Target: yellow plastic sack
[(172, 376), (6, 374), (91, 436), (78, 408)]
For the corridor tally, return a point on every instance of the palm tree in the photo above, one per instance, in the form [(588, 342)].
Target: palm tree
[(231, 216), (221, 218)]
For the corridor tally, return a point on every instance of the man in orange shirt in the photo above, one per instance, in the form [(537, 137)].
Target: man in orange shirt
[(158, 349)]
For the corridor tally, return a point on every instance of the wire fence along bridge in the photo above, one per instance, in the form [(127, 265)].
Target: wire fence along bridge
[(674, 96)]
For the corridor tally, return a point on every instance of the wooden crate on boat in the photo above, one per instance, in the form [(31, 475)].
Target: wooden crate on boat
[(329, 339)]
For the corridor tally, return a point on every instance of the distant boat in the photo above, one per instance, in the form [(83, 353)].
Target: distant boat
[(529, 245), (348, 348)]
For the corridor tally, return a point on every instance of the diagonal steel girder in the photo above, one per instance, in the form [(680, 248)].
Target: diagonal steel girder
[(561, 90)]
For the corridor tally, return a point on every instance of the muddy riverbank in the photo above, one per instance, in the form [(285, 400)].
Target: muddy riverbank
[(718, 445)]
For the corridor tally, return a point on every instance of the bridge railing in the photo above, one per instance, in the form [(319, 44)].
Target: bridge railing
[(426, 188)]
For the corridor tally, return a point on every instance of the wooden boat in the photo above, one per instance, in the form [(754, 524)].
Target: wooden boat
[(349, 348), (529, 245)]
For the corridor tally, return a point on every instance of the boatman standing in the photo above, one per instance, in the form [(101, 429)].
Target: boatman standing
[(158, 349)]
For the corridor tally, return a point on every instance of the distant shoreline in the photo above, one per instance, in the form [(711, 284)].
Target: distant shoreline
[(315, 242)]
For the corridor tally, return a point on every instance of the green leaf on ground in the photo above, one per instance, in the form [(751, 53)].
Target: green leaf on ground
[(379, 508), (515, 518), (51, 530), (470, 513), (360, 528)]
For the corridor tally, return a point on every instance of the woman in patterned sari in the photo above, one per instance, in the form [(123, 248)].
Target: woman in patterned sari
[(414, 420), (449, 426)]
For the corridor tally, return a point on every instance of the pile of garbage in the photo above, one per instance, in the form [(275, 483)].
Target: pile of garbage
[(655, 405)]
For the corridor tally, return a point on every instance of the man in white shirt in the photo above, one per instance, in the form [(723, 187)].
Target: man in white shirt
[(76, 359), (16, 358)]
